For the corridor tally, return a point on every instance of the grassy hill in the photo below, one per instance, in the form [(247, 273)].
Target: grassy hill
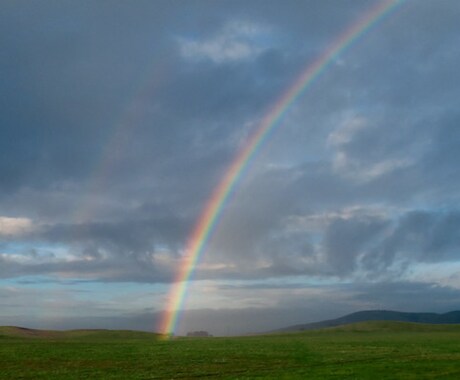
[(374, 349), (393, 327), (379, 315)]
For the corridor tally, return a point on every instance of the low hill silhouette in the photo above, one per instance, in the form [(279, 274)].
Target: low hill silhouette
[(85, 334), (452, 317)]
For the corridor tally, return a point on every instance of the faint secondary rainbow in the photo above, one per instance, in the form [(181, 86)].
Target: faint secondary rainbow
[(207, 221), (130, 117)]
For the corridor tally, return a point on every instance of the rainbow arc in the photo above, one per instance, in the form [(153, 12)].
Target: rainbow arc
[(207, 222)]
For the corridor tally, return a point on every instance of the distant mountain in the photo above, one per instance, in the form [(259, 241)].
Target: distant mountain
[(378, 315)]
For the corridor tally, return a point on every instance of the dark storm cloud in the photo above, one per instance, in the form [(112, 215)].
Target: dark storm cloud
[(71, 69), (70, 73), (70, 87)]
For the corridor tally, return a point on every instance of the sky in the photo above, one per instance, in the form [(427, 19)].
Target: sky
[(118, 120)]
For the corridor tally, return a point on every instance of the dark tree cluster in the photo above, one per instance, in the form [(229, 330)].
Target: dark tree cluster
[(199, 334)]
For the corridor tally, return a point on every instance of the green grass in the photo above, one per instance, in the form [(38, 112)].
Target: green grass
[(371, 350)]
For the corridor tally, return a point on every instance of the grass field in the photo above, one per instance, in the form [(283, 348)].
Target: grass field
[(371, 350)]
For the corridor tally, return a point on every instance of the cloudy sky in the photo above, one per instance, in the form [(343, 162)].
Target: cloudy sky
[(118, 119)]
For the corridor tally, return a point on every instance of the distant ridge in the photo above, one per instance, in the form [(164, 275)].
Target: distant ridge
[(452, 317), (22, 332)]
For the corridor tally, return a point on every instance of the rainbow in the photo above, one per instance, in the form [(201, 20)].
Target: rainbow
[(129, 118), (207, 222)]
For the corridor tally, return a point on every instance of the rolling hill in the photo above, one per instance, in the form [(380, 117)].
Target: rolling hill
[(378, 315), (87, 335)]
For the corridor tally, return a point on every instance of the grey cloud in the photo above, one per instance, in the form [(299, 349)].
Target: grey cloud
[(63, 102), (439, 164), (408, 296), (369, 245), (325, 303), (377, 246), (256, 320), (290, 254), (426, 236), (346, 240), (67, 309), (97, 269), (124, 251), (127, 236), (112, 141)]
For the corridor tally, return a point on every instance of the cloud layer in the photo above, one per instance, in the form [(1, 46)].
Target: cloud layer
[(118, 121)]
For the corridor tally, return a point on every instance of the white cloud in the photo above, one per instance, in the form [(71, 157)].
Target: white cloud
[(346, 131), (14, 226), (356, 170), (234, 42), (443, 274), (319, 221), (345, 161)]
